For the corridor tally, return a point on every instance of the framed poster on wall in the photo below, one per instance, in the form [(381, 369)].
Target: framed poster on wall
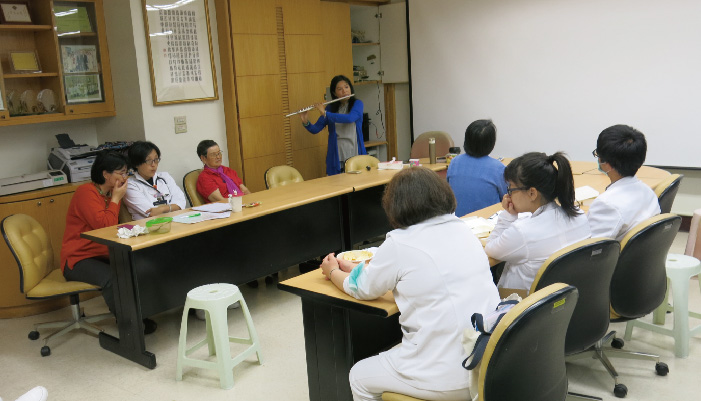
[(180, 51)]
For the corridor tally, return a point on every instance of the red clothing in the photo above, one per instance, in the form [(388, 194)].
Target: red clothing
[(209, 181), (88, 211)]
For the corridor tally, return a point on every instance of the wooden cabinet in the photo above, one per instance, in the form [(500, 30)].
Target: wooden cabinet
[(49, 207), (73, 77)]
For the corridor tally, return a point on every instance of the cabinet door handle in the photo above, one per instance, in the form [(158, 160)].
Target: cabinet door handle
[(39, 203), (52, 201)]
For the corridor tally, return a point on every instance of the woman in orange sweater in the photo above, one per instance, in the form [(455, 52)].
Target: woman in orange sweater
[(95, 205)]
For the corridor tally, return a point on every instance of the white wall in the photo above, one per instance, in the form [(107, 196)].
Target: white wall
[(25, 148), (553, 73)]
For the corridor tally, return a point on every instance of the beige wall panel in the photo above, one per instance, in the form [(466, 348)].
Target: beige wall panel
[(301, 16), (336, 37), (304, 53), (256, 55), (259, 95), (255, 169), (261, 136), (253, 16), (310, 162), (304, 90)]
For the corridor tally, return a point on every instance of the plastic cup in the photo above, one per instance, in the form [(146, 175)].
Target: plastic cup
[(414, 162), (237, 203)]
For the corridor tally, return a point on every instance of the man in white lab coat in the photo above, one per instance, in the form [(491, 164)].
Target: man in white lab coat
[(627, 201)]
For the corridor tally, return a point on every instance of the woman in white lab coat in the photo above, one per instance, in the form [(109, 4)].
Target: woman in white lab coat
[(150, 192), (439, 275), (535, 181)]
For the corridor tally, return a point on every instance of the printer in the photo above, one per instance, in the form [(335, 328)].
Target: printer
[(30, 182), (75, 162)]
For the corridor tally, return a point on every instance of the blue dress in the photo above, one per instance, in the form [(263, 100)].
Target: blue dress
[(333, 164), (477, 182)]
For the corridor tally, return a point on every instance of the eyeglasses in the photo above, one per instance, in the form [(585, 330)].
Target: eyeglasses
[(512, 190), (595, 153), (124, 173), (218, 154), (152, 162)]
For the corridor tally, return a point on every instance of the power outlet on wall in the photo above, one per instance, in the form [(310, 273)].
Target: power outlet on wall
[(180, 124)]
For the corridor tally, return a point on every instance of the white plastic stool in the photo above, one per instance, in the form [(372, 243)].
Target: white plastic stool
[(680, 269), (214, 300)]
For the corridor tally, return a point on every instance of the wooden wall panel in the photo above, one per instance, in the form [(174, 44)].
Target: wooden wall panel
[(256, 167), (261, 136), (303, 53), (311, 162), (253, 16), (302, 17), (337, 40), (306, 89), (256, 54), (259, 95)]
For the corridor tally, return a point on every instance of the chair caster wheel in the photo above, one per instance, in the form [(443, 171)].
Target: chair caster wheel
[(620, 390), (617, 343), (33, 335), (661, 368), (45, 350)]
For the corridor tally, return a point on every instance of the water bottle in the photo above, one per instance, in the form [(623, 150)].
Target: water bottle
[(432, 150)]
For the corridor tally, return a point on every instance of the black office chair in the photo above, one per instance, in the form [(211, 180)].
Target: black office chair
[(667, 190), (638, 287), (524, 358), (587, 265)]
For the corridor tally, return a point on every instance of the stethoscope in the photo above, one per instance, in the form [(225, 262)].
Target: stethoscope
[(160, 199)]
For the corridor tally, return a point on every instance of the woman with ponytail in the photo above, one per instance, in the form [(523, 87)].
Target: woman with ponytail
[(535, 182)]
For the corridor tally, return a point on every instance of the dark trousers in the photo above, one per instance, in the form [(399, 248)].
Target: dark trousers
[(94, 271)]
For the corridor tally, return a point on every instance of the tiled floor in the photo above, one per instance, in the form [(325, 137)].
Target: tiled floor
[(79, 369)]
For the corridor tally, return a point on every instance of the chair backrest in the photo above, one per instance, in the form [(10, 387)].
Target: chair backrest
[(587, 265), (360, 162), (524, 358), (190, 185), (124, 215), (639, 282), (444, 142), (278, 176), (667, 190), (31, 247)]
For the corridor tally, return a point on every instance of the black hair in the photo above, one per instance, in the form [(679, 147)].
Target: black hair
[(416, 194), (139, 151), (333, 107), (204, 145), (537, 170), (480, 137), (623, 147), (106, 161)]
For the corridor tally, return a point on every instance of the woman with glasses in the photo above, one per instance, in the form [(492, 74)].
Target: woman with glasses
[(96, 205), (150, 192), (216, 182), (535, 182)]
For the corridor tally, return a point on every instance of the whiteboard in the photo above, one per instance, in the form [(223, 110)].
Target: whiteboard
[(552, 74)]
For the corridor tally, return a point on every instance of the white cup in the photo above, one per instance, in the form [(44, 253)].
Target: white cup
[(236, 203)]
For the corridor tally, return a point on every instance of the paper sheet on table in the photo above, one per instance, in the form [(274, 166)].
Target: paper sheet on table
[(188, 218), (480, 226), (584, 193), (216, 207)]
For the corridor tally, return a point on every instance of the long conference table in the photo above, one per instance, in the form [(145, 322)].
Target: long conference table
[(293, 223), (340, 330)]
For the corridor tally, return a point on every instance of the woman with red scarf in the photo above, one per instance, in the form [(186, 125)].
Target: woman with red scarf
[(216, 182)]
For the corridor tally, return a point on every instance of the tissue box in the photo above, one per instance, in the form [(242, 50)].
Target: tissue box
[(392, 165)]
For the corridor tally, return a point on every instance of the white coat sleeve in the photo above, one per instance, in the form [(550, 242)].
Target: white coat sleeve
[(177, 197), (604, 220), (137, 202), (378, 276), (506, 242)]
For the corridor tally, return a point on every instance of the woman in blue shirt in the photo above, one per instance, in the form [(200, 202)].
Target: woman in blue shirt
[(477, 179), (345, 121)]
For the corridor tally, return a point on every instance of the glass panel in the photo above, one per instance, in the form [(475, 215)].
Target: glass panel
[(79, 51)]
